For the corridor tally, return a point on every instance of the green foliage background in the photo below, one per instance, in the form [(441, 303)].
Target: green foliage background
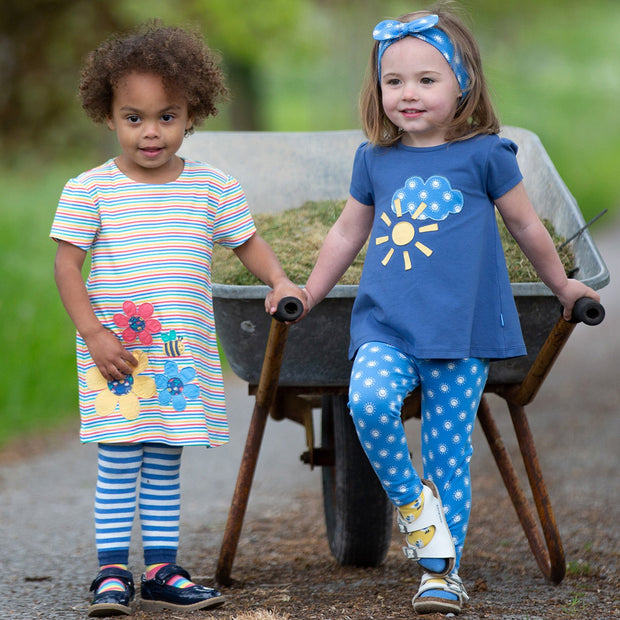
[(293, 65)]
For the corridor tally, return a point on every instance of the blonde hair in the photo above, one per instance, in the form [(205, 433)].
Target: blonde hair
[(474, 115)]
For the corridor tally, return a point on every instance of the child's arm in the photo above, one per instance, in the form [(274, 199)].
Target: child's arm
[(259, 258), (110, 357), (342, 244), (529, 232)]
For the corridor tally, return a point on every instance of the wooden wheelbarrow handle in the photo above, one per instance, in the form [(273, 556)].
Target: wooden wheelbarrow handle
[(289, 309), (546, 545), (586, 311)]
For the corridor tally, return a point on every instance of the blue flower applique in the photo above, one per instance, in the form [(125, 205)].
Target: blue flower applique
[(174, 386)]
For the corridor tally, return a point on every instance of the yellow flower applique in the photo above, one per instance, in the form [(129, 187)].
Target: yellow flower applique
[(125, 393)]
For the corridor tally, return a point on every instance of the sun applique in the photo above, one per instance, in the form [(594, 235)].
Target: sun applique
[(137, 323), (124, 393), (418, 200)]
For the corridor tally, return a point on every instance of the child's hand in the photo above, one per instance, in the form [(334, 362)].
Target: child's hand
[(573, 291), (285, 288), (113, 361)]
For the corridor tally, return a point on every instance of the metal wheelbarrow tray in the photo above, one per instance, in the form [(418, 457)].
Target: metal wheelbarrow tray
[(283, 170)]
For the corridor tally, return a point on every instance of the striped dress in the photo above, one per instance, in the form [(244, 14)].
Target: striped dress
[(150, 283)]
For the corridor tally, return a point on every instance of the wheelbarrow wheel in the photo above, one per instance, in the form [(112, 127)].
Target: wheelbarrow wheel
[(358, 514)]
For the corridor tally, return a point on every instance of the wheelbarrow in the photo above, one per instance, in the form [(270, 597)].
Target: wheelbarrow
[(293, 370)]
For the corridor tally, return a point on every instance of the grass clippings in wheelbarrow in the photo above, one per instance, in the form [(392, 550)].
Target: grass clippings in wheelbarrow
[(296, 236)]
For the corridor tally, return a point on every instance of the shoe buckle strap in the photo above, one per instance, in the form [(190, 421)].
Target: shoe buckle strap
[(407, 528), (450, 583), (455, 585), (423, 522), (411, 553), (170, 570)]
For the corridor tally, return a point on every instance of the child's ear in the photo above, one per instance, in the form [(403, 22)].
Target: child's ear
[(109, 121), (189, 125)]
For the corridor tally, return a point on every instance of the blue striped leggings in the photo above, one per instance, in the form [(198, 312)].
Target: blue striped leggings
[(116, 497), (451, 390)]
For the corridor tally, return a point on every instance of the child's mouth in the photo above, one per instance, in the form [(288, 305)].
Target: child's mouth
[(151, 151), (412, 112)]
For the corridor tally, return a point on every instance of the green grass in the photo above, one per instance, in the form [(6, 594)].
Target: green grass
[(38, 386), (578, 568), (296, 236)]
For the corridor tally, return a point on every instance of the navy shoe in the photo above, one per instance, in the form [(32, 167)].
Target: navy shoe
[(113, 602), (157, 595)]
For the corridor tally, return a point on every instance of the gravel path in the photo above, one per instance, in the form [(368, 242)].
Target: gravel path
[(283, 563)]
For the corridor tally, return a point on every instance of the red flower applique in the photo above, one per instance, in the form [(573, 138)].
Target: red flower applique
[(138, 323)]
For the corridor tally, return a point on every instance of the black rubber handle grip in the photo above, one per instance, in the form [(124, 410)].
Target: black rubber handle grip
[(289, 309), (587, 311)]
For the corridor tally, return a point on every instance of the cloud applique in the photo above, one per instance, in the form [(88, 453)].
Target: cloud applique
[(433, 199)]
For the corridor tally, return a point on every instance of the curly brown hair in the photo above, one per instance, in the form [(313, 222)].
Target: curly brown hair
[(186, 65)]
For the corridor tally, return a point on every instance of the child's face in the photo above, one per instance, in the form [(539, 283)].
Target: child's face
[(419, 91), (150, 125)]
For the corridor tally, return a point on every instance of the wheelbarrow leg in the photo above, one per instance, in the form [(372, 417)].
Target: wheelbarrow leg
[(265, 395), (549, 553)]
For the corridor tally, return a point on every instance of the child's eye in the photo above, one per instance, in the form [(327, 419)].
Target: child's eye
[(392, 82), (133, 118), (427, 80), (167, 118)]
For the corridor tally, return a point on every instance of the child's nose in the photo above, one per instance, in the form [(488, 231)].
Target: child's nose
[(151, 129), (410, 91)]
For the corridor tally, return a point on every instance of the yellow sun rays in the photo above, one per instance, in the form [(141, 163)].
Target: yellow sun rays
[(403, 233)]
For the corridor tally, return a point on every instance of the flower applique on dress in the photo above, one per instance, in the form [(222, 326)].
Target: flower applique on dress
[(124, 393), (174, 386), (137, 323)]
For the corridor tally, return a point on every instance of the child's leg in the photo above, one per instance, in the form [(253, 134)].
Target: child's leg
[(160, 509), (160, 502), (115, 500), (115, 503), (165, 585), (451, 393), (381, 378)]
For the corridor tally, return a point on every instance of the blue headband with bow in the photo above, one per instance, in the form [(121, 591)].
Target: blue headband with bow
[(390, 31)]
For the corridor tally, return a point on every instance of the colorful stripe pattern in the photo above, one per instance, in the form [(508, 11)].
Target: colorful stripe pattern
[(153, 244)]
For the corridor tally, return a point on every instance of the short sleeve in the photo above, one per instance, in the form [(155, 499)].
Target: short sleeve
[(361, 186), (503, 171), (77, 218), (233, 223)]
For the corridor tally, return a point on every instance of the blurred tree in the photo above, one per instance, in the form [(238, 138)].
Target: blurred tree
[(43, 42), (250, 35)]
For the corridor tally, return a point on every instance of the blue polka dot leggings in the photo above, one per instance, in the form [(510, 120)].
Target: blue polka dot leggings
[(451, 390)]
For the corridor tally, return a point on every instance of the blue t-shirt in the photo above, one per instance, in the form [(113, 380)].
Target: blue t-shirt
[(435, 282)]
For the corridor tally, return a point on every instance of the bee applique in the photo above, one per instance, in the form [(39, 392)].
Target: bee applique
[(173, 344)]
